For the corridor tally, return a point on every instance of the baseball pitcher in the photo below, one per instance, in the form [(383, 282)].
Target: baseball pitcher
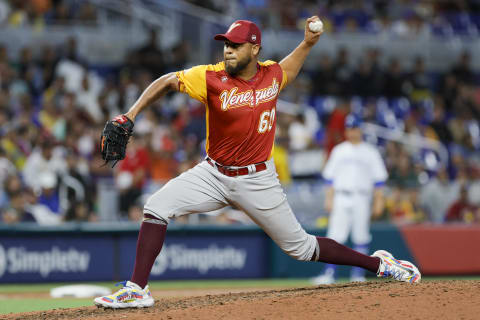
[(240, 96)]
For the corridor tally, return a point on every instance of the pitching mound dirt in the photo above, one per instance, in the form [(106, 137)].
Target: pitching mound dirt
[(371, 300)]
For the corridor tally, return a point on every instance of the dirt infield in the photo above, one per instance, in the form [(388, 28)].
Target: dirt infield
[(453, 299)]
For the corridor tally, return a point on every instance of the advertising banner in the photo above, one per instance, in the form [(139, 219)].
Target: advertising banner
[(47, 258), (198, 256)]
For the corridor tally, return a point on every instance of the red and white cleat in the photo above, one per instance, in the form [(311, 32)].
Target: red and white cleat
[(130, 296), (396, 269)]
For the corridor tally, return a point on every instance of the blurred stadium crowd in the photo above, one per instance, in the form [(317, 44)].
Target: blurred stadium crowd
[(53, 106), (409, 18)]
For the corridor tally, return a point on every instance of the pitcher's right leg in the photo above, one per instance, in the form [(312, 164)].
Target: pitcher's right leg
[(271, 211)]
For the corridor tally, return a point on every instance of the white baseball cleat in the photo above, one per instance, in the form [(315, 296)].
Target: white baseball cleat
[(130, 296), (396, 269), (326, 278)]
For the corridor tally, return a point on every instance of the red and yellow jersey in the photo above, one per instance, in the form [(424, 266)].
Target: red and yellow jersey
[(240, 114)]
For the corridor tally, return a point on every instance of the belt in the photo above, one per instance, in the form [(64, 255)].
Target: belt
[(240, 171)]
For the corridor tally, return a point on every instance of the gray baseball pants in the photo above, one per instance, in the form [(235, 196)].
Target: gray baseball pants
[(259, 194)]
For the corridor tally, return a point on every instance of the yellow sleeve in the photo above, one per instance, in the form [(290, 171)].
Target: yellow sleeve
[(284, 79), (284, 74), (193, 82), (266, 62)]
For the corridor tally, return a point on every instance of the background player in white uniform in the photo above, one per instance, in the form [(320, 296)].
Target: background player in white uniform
[(355, 174)]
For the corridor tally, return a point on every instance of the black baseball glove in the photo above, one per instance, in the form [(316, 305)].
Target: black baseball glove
[(115, 137)]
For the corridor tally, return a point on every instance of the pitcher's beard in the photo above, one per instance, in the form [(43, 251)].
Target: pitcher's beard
[(233, 71)]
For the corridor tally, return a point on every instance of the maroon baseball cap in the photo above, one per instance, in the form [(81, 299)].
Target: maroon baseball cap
[(242, 31)]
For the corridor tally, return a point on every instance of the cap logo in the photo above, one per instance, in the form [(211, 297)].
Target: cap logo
[(254, 37), (233, 26)]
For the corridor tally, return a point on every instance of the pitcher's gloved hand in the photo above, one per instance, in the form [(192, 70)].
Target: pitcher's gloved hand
[(115, 136)]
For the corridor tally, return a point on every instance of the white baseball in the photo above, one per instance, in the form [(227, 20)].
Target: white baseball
[(316, 26)]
